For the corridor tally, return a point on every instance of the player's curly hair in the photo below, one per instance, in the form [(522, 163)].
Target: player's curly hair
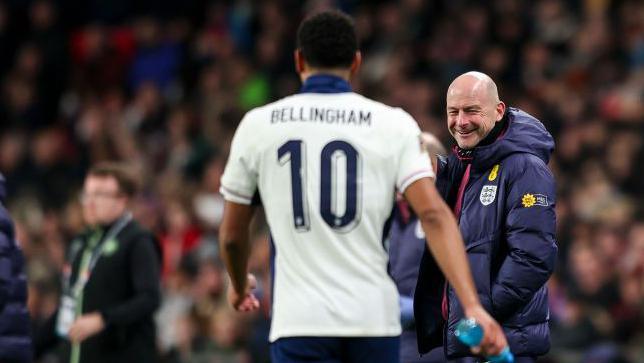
[(328, 40)]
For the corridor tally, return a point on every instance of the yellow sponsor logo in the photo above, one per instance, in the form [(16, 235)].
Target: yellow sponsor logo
[(493, 173), (528, 200)]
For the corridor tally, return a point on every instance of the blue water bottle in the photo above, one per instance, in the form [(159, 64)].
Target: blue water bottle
[(470, 333)]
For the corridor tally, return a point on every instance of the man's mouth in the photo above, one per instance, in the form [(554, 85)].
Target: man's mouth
[(464, 132)]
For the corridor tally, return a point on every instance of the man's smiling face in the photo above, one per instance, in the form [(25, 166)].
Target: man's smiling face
[(472, 110)]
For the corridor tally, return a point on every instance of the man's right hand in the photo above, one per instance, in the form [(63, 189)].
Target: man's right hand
[(494, 340), (245, 301)]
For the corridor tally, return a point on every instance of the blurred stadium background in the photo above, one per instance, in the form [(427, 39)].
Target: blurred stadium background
[(163, 84)]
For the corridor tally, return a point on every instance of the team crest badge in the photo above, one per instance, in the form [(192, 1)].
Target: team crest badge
[(110, 247), (488, 194)]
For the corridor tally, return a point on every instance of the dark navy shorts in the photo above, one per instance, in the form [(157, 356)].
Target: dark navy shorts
[(409, 350), (336, 350)]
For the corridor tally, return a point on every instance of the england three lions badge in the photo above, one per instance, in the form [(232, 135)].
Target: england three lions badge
[(488, 194)]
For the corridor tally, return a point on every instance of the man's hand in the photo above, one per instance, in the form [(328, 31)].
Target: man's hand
[(493, 337), (246, 301), (86, 326)]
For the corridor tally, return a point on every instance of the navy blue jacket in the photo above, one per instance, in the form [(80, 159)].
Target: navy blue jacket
[(508, 224), (15, 339)]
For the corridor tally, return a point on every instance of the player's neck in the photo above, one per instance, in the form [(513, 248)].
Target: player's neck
[(342, 73)]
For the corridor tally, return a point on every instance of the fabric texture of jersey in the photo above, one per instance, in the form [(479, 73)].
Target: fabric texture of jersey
[(326, 165)]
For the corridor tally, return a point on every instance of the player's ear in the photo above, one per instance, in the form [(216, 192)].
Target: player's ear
[(299, 61), (356, 63)]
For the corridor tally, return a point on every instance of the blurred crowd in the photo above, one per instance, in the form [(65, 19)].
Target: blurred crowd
[(163, 85)]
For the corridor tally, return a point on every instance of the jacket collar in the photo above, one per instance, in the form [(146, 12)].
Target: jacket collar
[(467, 155), (522, 133)]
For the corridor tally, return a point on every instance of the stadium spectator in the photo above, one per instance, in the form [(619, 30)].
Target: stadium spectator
[(111, 279)]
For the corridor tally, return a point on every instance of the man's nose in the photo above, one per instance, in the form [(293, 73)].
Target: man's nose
[(461, 119)]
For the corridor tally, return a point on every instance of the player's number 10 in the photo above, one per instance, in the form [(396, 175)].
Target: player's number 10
[(295, 152)]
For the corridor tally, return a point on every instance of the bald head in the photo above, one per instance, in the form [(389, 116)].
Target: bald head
[(477, 84), (473, 108)]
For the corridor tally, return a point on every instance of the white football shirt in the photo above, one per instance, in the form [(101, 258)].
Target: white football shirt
[(327, 167)]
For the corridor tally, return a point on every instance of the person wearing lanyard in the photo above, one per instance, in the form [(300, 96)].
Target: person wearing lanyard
[(111, 279)]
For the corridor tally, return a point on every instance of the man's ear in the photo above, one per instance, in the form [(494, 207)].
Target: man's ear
[(500, 110), (300, 64), (356, 63)]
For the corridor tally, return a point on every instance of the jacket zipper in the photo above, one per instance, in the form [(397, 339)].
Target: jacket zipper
[(458, 209)]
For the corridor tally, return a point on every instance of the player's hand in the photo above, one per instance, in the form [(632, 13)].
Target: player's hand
[(247, 300), (86, 326), (493, 337)]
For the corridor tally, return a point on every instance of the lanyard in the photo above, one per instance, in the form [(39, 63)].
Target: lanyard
[(91, 254)]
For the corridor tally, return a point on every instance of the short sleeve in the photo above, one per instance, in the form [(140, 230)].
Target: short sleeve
[(414, 162), (239, 181)]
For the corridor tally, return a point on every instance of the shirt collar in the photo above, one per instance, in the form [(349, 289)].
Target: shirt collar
[(325, 83)]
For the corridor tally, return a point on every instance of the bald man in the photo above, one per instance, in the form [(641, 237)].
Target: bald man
[(497, 182)]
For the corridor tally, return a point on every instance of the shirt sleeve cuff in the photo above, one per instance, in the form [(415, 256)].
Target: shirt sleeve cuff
[(235, 197), (408, 180), (106, 317)]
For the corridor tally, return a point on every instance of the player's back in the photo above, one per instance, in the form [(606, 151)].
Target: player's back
[(327, 166)]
